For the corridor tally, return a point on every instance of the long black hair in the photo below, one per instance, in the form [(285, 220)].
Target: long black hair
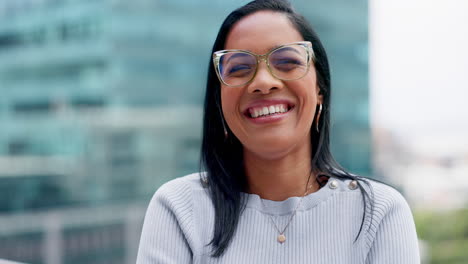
[(222, 156)]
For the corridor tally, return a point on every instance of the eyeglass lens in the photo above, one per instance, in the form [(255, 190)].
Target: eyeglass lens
[(286, 63)]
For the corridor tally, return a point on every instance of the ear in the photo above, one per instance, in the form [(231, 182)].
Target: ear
[(319, 95)]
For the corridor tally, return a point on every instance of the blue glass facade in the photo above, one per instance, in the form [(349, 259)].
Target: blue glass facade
[(101, 100)]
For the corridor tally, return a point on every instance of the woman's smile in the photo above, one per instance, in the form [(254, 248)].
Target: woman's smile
[(268, 111)]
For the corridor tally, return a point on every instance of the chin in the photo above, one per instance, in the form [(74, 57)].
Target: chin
[(271, 148)]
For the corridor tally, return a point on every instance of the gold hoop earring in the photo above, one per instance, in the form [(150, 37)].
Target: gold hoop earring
[(318, 119)]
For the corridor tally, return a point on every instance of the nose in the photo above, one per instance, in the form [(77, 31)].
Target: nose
[(264, 82)]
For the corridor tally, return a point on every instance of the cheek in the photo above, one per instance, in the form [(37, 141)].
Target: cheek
[(229, 103), (306, 92)]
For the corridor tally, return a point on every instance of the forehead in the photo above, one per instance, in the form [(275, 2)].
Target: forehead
[(262, 31)]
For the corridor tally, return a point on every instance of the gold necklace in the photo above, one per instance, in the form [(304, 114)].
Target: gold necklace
[(281, 238)]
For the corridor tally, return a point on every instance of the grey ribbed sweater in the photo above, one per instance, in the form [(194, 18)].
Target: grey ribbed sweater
[(179, 225)]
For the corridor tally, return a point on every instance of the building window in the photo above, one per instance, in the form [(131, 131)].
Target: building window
[(8, 40), (37, 107)]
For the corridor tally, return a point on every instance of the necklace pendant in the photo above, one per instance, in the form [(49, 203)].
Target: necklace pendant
[(281, 238)]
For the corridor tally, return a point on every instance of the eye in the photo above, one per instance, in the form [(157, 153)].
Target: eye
[(239, 70), (287, 64), (288, 61)]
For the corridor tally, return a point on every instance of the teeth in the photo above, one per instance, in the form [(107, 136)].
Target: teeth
[(272, 109)]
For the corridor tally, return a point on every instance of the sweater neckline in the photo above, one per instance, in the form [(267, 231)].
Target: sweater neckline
[(287, 206)]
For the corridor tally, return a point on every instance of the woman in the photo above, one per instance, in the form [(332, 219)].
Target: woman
[(272, 192)]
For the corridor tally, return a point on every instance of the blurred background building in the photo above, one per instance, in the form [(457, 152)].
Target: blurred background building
[(102, 103), (418, 78)]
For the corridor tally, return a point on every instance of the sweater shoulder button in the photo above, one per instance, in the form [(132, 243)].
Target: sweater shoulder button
[(333, 184)]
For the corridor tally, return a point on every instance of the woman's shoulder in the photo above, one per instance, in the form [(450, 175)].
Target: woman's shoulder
[(388, 210), (193, 180), (385, 196), (170, 215), (390, 225), (382, 196), (180, 188), (177, 197)]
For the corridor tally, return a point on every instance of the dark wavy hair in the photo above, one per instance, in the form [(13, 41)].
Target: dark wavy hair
[(222, 157)]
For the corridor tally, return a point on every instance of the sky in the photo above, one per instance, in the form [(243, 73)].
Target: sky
[(419, 65)]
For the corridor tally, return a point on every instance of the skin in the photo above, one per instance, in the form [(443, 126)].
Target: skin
[(277, 155)]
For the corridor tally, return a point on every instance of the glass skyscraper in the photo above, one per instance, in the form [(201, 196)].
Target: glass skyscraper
[(102, 102)]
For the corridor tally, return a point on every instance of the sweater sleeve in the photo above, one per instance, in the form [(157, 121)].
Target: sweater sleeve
[(168, 219), (393, 237)]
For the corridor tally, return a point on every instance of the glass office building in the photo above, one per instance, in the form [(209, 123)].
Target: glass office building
[(102, 102)]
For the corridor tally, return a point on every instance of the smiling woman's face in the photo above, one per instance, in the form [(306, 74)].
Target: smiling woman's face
[(274, 135)]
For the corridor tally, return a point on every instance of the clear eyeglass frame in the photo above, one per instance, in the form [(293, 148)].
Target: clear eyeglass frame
[(307, 45)]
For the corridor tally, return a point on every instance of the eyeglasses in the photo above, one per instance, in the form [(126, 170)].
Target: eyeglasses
[(287, 62)]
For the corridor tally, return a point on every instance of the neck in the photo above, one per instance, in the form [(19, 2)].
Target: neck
[(280, 178)]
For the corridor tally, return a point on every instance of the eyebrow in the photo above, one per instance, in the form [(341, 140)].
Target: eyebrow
[(235, 55), (287, 48), (275, 47)]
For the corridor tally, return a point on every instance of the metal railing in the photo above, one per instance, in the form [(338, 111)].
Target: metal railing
[(105, 234)]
